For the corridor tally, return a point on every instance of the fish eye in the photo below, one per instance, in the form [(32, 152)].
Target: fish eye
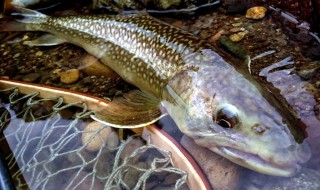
[(227, 117)]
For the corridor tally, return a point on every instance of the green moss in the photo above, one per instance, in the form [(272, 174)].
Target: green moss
[(233, 48)]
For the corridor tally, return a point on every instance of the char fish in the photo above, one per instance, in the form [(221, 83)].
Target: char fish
[(208, 98)]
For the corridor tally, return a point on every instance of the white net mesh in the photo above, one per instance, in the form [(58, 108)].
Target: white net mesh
[(43, 143)]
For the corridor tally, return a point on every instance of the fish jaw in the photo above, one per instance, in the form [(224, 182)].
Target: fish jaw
[(255, 162), (259, 140), (284, 162)]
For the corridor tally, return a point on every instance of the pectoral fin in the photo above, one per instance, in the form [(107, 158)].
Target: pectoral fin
[(133, 110), (45, 40)]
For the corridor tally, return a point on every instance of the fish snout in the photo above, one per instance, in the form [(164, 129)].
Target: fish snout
[(292, 156), (303, 152)]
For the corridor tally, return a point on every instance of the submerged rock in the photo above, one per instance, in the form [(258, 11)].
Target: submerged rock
[(32, 77), (238, 36), (95, 135), (222, 174), (258, 12), (70, 76)]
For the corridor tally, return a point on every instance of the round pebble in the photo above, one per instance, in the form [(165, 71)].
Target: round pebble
[(39, 53), (70, 76), (258, 12), (94, 139), (238, 36)]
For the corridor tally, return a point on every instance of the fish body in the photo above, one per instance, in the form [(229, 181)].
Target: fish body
[(208, 99)]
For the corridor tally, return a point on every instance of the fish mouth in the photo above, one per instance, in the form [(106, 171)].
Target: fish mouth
[(255, 162)]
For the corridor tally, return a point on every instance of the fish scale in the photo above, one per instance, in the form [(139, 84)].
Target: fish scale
[(112, 38)]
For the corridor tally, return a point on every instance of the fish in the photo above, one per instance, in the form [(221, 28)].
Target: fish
[(208, 98)]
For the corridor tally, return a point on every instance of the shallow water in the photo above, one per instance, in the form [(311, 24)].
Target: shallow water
[(49, 145), (302, 95)]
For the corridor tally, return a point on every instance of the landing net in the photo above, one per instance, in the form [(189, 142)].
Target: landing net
[(41, 140)]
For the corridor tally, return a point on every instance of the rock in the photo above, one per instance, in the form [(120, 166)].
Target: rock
[(216, 36), (105, 163), (132, 175), (258, 12), (39, 54), (130, 147), (165, 4), (222, 174), (93, 67), (171, 179), (113, 140), (70, 76), (94, 135), (16, 55), (238, 36), (32, 77), (308, 73), (236, 29)]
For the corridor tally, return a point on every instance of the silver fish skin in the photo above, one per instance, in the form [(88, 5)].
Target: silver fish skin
[(208, 98)]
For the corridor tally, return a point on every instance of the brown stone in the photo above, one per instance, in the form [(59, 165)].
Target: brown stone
[(222, 174)]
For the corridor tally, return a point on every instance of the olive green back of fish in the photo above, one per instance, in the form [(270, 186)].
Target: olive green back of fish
[(142, 50)]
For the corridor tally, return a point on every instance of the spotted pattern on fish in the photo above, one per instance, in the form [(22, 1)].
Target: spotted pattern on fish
[(150, 52)]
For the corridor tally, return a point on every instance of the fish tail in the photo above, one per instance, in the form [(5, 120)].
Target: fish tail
[(22, 20)]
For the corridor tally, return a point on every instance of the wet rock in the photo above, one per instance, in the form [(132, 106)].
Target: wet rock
[(132, 175), (92, 66), (130, 147), (88, 81), (165, 4), (221, 173), (238, 36), (16, 55), (32, 77), (258, 12), (113, 140), (171, 179), (216, 36), (237, 29), (81, 157), (39, 54), (94, 135), (309, 72), (70, 76), (105, 163)]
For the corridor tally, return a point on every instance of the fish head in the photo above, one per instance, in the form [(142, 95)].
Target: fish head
[(225, 112)]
